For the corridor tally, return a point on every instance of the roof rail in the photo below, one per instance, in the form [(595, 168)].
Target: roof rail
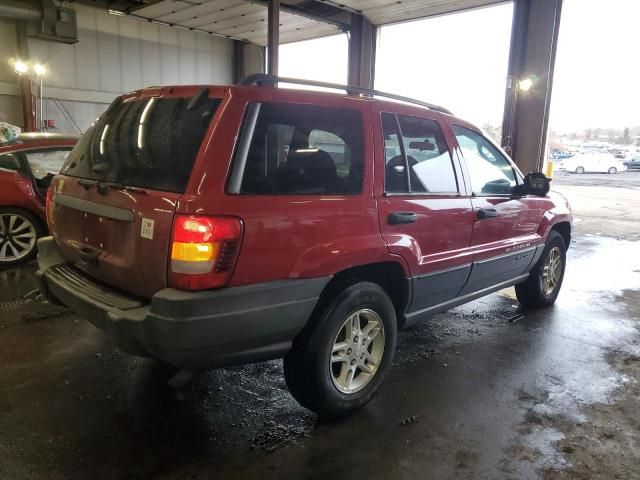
[(264, 79)]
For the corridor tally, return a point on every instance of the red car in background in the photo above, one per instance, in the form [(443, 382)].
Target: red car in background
[(26, 169)]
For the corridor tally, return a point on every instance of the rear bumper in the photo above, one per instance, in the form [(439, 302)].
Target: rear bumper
[(187, 329)]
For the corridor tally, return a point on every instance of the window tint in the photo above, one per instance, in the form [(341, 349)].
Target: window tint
[(46, 162), (334, 146), (395, 178), (427, 156), (490, 171), (304, 149), (9, 161), (149, 143)]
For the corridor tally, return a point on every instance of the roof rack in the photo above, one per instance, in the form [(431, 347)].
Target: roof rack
[(265, 79)]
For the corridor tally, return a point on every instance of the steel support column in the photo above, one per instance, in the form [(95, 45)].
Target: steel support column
[(273, 36), (28, 107), (238, 61), (534, 38), (362, 51)]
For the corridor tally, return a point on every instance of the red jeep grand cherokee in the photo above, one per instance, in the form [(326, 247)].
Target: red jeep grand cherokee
[(26, 168), (224, 225)]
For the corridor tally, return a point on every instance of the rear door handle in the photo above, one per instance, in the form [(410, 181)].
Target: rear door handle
[(398, 218), (487, 213)]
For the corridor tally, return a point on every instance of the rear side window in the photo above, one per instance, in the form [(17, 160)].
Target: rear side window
[(148, 143), (9, 161), (417, 157), (300, 150), (46, 162)]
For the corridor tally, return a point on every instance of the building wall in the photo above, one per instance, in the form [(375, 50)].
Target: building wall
[(10, 106), (114, 55)]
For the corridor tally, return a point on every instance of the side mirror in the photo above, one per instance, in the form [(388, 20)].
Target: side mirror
[(535, 183)]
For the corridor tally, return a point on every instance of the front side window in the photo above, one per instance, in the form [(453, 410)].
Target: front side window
[(304, 150), (417, 157), (491, 173), (44, 163)]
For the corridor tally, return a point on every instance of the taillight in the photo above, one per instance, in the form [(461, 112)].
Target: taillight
[(203, 251), (48, 206)]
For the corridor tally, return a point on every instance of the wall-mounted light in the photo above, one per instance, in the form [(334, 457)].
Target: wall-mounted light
[(28, 70), (40, 70), (525, 84), (20, 67)]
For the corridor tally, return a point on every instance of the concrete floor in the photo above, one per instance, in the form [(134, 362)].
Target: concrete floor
[(492, 392)]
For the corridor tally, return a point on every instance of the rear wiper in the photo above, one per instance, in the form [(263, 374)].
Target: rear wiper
[(102, 188), (101, 167)]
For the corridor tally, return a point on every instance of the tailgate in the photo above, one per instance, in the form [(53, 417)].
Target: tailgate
[(112, 207), (119, 237)]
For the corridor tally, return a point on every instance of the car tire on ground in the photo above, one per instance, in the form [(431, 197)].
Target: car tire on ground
[(543, 285), (339, 360), (580, 170), (612, 170), (19, 231)]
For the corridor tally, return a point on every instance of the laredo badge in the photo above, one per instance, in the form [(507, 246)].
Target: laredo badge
[(146, 228)]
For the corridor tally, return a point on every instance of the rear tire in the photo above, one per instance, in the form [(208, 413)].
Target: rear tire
[(542, 287), (339, 360), (19, 231), (580, 170), (613, 170)]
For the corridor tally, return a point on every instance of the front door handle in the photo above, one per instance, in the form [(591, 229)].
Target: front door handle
[(398, 218), (487, 213)]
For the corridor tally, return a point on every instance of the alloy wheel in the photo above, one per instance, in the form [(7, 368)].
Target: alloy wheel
[(551, 273), (17, 237), (357, 351)]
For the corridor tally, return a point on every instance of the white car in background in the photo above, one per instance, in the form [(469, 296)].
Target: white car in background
[(592, 163)]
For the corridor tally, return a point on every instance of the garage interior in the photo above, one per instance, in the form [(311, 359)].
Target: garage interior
[(485, 390)]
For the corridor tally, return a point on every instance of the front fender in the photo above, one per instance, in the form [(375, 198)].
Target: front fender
[(556, 210)]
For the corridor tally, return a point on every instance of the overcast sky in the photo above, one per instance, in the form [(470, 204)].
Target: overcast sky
[(460, 62), (597, 81)]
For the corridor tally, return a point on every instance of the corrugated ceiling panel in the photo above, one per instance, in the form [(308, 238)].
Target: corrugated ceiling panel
[(236, 19), (294, 28), (235, 14), (257, 17), (242, 19), (206, 8), (322, 30), (162, 8), (382, 12)]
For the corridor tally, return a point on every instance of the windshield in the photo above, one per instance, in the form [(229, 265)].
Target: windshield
[(147, 143)]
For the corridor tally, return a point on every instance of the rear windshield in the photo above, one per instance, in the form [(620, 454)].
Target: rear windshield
[(147, 143)]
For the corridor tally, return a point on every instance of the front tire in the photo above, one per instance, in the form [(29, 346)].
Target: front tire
[(580, 170), (339, 360), (542, 287), (613, 170)]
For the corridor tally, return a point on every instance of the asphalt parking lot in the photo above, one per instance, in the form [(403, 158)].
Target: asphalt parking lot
[(603, 204), (483, 391), (628, 179)]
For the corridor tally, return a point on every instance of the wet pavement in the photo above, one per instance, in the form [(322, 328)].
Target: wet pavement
[(482, 391)]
